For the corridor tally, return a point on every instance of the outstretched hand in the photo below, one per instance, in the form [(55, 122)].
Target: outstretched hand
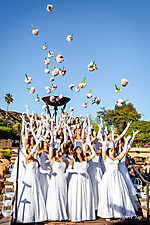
[(135, 133), (127, 138)]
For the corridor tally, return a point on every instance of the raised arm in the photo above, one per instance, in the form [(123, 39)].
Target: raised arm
[(51, 149), (132, 140), (122, 154), (88, 158), (124, 132), (104, 148)]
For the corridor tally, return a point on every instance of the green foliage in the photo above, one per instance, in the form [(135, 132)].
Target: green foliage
[(6, 152), (8, 133), (3, 123), (142, 138), (119, 117), (8, 98), (17, 128), (94, 124)]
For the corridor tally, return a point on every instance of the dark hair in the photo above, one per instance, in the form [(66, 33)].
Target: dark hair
[(76, 118), (69, 146), (107, 151), (54, 151), (42, 144), (75, 155), (29, 140), (73, 121)]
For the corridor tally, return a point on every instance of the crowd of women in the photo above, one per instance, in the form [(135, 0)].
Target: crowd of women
[(68, 171)]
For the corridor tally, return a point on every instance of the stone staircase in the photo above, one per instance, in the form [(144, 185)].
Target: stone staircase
[(5, 183)]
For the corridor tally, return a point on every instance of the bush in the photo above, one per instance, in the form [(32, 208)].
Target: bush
[(142, 139), (3, 122), (6, 152), (17, 128), (8, 133)]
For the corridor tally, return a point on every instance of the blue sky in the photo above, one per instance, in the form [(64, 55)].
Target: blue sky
[(113, 33)]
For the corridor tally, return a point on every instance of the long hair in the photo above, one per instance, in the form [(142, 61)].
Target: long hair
[(75, 155), (107, 151)]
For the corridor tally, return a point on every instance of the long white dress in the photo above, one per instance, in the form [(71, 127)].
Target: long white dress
[(43, 178), (132, 191), (57, 193), (115, 201), (22, 166), (95, 173), (80, 194), (31, 205)]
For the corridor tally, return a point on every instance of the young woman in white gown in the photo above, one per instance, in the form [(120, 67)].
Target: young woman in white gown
[(81, 204), (115, 201), (123, 170), (57, 186), (31, 204), (95, 171), (45, 165)]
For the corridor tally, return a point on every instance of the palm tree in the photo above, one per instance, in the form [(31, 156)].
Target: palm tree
[(8, 98)]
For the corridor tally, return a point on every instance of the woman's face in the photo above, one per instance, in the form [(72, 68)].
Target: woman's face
[(94, 133), (76, 120), (79, 131), (32, 141), (72, 121), (65, 122), (59, 132), (46, 143), (78, 150), (112, 152), (29, 149)]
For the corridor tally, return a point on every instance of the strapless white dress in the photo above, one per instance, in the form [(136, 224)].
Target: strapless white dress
[(81, 204), (57, 193), (115, 201), (31, 204)]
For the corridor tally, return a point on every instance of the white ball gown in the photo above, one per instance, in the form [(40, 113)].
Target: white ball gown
[(43, 178), (31, 205), (132, 191), (115, 201), (95, 173), (57, 193), (80, 194)]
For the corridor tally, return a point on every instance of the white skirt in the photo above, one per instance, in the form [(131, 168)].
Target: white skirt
[(80, 198)]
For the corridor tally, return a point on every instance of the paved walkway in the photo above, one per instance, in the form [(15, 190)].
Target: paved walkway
[(100, 221)]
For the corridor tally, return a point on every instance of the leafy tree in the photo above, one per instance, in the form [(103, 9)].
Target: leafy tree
[(119, 116), (8, 99), (143, 137)]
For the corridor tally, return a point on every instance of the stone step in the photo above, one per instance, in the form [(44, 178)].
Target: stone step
[(6, 220), (144, 210), (7, 175), (8, 183), (12, 158), (2, 197), (9, 189), (143, 199)]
